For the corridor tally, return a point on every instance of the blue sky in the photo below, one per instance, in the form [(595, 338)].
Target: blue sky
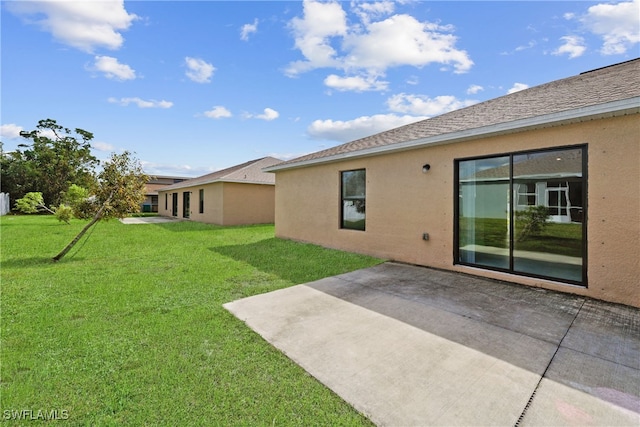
[(194, 87)]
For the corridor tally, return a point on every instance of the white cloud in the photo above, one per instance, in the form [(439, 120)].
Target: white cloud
[(617, 24), (112, 69), (268, 115), (473, 89), (312, 34), (529, 45), (403, 40), (248, 29), (199, 70), (366, 49), (84, 25), (413, 80), (369, 11), (141, 103), (518, 87), (355, 83), (218, 112), (424, 106), (10, 131), (573, 46), (103, 146), (350, 130), (172, 169)]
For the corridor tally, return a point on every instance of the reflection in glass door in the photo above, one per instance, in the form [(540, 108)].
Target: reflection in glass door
[(524, 213), (546, 241), (483, 192)]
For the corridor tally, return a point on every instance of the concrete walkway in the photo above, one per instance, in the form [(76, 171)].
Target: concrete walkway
[(412, 346), (148, 220)]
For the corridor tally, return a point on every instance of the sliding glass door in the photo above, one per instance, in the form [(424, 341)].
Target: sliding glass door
[(524, 213)]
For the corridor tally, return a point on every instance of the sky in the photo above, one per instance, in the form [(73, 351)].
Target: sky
[(191, 87)]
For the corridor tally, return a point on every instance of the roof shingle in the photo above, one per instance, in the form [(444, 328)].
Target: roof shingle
[(608, 84), (249, 172)]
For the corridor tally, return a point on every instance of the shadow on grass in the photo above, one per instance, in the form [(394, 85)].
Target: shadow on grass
[(293, 261)]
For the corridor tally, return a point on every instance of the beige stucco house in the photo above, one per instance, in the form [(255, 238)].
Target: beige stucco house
[(464, 191), (150, 203), (242, 194)]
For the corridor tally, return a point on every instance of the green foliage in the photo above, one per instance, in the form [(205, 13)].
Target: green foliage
[(121, 186), (77, 198), (55, 158), (31, 203), (75, 195), (531, 221), (64, 213)]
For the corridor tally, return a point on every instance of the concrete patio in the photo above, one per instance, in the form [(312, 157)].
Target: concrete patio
[(412, 346)]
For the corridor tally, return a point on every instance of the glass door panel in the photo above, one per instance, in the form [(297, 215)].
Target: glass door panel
[(483, 220), (546, 240)]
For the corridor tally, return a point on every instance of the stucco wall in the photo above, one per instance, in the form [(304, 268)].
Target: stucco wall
[(225, 203), (248, 204), (403, 203)]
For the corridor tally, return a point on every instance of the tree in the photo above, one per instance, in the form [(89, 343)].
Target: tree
[(31, 203), (56, 158), (75, 200), (120, 190)]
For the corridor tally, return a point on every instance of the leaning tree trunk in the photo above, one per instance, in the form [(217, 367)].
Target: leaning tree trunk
[(97, 217)]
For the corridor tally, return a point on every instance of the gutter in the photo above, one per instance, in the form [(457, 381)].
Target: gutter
[(599, 111)]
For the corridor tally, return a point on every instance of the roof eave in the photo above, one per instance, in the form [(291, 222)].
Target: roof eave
[(199, 184), (600, 111)]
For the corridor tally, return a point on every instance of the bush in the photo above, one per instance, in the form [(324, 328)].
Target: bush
[(531, 221), (64, 213)]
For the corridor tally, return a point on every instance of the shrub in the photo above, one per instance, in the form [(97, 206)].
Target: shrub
[(531, 221), (64, 213)]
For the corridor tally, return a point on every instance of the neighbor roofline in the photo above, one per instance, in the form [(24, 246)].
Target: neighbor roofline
[(230, 181), (600, 111)]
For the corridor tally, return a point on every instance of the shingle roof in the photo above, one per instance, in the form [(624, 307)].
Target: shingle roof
[(608, 84), (249, 173), (556, 164)]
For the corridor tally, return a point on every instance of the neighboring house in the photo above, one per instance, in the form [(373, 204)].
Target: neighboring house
[(241, 194), (456, 191), (150, 203)]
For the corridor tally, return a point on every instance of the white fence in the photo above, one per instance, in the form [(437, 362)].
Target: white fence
[(5, 206)]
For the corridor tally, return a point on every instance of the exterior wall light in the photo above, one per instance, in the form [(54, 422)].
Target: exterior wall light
[(426, 168)]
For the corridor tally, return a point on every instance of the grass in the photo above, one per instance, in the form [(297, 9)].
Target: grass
[(556, 238), (130, 328)]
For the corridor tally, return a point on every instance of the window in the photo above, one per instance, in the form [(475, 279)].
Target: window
[(174, 204), (542, 234), (201, 204), (166, 201), (186, 206), (353, 186)]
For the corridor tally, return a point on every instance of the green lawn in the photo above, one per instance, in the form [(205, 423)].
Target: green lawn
[(130, 329), (561, 239)]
